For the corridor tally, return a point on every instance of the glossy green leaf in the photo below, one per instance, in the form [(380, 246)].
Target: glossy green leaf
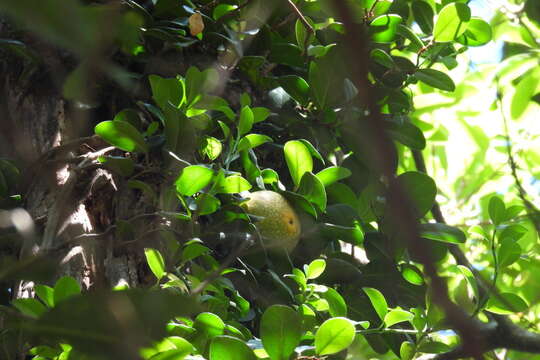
[(46, 294), (412, 274), (336, 303), (396, 316), (377, 300), (420, 189), (207, 204), (193, 179), (299, 160), (65, 288), (506, 303), (246, 121), (436, 79), (315, 269), (383, 29), (232, 184), (319, 85), (222, 9), (251, 141), (296, 87), (478, 33), (313, 190), (416, 43), (423, 14), (381, 57), (230, 348), (349, 234), (452, 21), (209, 325), (29, 307), (496, 210), (210, 147), (334, 335), (260, 114), (442, 232), (122, 135), (281, 330), (155, 262), (333, 174), (407, 350)]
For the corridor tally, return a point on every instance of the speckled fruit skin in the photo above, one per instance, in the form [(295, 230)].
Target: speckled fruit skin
[(280, 226)]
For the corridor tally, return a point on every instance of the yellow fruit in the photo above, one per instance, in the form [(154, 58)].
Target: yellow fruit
[(279, 225)]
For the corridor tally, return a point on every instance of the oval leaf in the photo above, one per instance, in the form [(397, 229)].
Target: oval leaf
[(333, 174), (193, 179), (155, 262), (299, 160), (281, 330), (296, 87), (383, 29), (396, 316), (451, 22), (377, 300), (65, 288), (442, 232), (334, 335), (122, 135), (436, 79), (230, 348), (315, 269)]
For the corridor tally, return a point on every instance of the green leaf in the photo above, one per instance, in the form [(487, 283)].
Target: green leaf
[(207, 204), (496, 210), (299, 160), (230, 348), (210, 147), (407, 350), (260, 114), (232, 184), (281, 330), (315, 269), (222, 9), (209, 323), (336, 303), (508, 253), (65, 288), (155, 262), (167, 91), (420, 189), (377, 300), (194, 250), (412, 274), (313, 190), (506, 303), (451, 22), (122, 135), (381, 57), (407, 134), (193, 179), (525, 90), (30, 307), (123, 166), (251, 141), (396, 316), (442, 232), (349, 234), (296, 87), (246, 121), (383, 29), (478, 33), (312, 150), (436, 79), (333, 174), (46, 294), (423, 14), (319, 85), (334, 335)]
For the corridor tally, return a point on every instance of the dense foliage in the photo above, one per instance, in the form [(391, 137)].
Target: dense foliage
[(413, 173)]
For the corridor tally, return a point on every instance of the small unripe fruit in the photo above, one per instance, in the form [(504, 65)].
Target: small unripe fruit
[(279, 225)]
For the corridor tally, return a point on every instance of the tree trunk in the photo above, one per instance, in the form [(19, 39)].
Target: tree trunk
[(73, 205)]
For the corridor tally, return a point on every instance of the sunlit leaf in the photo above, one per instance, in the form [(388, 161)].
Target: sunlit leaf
[(334, 335), (452, 21)]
